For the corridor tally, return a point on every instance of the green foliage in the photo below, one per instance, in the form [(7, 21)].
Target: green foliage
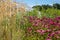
[(50, 13), (38, 7), (33, 12)]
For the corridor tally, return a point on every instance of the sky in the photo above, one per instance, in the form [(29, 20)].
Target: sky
[(38, 2)]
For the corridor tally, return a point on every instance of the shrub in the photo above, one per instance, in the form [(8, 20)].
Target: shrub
[(41, 28)]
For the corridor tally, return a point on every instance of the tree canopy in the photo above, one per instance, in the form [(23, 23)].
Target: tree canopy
[(40, 7)]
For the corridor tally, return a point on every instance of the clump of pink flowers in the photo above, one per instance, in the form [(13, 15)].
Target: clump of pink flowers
[(44, 25)]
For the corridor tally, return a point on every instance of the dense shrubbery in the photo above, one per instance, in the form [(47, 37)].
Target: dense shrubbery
[(42, 28)]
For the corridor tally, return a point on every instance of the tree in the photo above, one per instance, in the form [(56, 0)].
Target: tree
[(56, 5), (38, 7)]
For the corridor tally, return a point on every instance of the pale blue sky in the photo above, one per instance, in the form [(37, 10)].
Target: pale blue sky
[(38, 2)]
